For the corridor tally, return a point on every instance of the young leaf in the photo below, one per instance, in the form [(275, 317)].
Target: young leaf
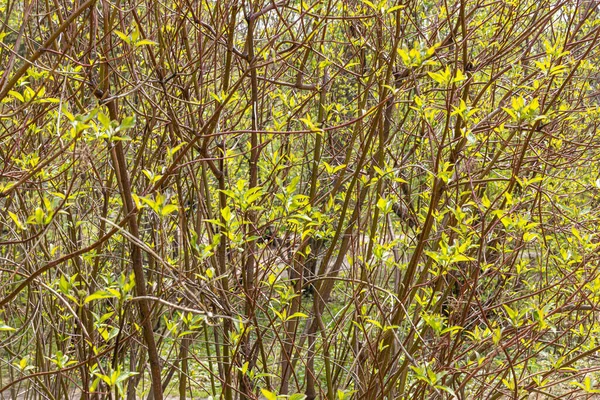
[(6, 328), (101, 294), (268, 395)]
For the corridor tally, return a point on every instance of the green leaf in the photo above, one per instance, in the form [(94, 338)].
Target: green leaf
[(16, 220), (268, 395), (296, 315), (63, 285), (17, 95), (6, 328), (104, 120), (168, 209), (127, 123), (395, 8), (485, 201), (94, 385), (459, 76), (367, 2), (461, 257), (226, 213), (145, 42), (123, 36), (101, 294), (125, 375), (106, 379), (244, 368)]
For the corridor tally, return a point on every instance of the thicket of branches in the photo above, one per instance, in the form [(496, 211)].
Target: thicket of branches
[(303, 199)]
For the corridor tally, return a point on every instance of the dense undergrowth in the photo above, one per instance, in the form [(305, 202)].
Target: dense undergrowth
[(299, 199)]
